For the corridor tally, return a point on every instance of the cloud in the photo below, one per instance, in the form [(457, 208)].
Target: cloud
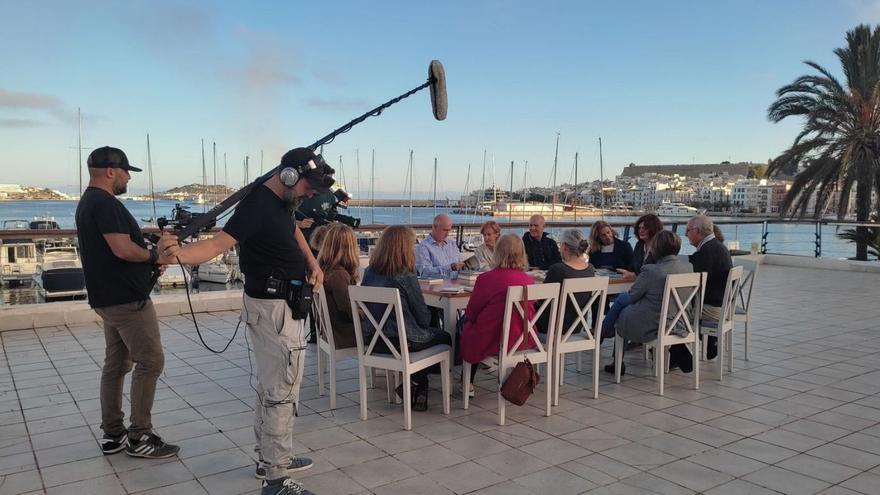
[(19, 123), (340, 104), (30, 101)]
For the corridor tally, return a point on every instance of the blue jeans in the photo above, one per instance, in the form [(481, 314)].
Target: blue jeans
[(613, 314)]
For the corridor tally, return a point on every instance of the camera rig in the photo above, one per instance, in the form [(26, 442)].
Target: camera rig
[(324, 209), (181, 218)]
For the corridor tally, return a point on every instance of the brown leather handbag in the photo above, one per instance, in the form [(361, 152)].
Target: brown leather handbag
[(521, 382)]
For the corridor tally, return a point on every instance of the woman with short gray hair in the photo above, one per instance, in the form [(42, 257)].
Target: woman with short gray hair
[(572, 247)]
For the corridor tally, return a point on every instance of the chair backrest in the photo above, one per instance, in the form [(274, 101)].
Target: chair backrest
[(545, 297), (731, 292), (747, 284), (388, 300), (322, 317), (682, 303), (597, 290)]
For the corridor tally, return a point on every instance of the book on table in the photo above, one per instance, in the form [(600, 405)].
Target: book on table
[(430, 280)]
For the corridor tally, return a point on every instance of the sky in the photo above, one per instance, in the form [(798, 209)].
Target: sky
[(659, 82)]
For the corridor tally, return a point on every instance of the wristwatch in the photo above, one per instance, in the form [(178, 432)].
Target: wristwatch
[(154, 255)]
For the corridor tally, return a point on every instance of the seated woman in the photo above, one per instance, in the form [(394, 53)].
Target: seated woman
[(393, 264), (606, 250), (646, 227), (638, 321), (572, 246), (481, 336), (338, 258), (485, 252)]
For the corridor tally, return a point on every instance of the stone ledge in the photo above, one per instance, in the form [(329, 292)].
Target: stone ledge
[(27, 316)]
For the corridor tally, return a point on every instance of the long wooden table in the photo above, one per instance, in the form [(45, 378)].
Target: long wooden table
[(452, 296)]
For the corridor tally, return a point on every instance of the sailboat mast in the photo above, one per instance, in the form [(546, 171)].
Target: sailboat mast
[(510, 196), (434, 181), (79, 148), (553, 190), (214, 159), (467, 185), (373, 187), (150, 173), (204, 179), (410, 173), (575, 202), (601, 178), (225, 172), (482, 196)]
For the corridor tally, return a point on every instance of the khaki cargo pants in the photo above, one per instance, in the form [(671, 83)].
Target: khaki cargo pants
[(279, 353)]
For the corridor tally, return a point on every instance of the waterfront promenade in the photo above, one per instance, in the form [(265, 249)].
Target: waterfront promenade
[(801, 417)]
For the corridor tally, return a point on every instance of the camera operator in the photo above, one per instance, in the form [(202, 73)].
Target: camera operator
[(118, 270), (279, 271)]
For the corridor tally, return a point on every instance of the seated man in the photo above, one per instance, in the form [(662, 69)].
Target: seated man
[(713, 258), (435, 256), (541, 249)]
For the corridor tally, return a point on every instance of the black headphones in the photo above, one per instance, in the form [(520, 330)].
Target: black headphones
[(290, 175)]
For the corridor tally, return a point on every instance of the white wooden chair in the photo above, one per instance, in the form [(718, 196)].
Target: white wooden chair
[(327, 347), (746, 289), (722, 329), (568, 340), (400, 360), (682, 302), (545, 297)]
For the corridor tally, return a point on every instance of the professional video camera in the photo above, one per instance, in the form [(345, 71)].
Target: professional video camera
[(324, 208), (181, 217)]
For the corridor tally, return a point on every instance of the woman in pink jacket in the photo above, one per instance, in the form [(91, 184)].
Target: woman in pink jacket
[(481, 335)]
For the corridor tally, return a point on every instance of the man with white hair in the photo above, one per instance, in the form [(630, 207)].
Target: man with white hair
[(541, 249), (713, 258), (436, 256)]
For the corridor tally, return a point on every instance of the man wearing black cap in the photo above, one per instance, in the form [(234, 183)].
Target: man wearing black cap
[(118, 270), (278, 267)]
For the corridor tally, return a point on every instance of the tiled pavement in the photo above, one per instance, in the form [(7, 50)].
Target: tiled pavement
[(803, 416)]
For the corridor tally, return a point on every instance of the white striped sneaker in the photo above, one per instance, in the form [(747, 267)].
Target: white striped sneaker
[(111, 444), (151, 446)]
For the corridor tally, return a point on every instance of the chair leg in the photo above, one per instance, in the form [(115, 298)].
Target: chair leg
[(332, 366), (696, 361), (549, 387), (372, 378), (555, 377), (320, 372), (502, 375), (660, 368), (720, 337), (465, 384), (389, 386), (362, 379), (748, 345), (578, 362), (446, 384), (730, 351), (705, 337), (618, 357), (407, 402), (597, 352)]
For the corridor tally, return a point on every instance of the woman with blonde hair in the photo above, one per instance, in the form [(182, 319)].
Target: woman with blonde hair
[(607, 250), (481, 336), (338, 258), (393, 264), (490, 231)]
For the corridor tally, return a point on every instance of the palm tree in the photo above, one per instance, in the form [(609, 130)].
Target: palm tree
[(839, 145)]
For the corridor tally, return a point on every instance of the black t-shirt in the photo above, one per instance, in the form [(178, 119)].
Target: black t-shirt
[(263, 225), (109, 280)]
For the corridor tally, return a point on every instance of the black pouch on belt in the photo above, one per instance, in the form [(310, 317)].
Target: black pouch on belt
[(299, 298)]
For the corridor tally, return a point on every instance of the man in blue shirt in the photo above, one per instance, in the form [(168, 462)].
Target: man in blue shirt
[(435, 256)]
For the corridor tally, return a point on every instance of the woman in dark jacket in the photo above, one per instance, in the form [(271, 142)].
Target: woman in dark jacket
[(338, 258), (646, 227), (572, 246), (607, 250), (393, 264)]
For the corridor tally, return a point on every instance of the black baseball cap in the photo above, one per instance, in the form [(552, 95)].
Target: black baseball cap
[(109, 157), (311, 166)]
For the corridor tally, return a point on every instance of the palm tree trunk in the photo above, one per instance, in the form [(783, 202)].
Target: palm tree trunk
[(863, 210)]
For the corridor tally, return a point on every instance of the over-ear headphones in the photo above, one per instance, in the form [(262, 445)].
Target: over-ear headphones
[(290, 175)]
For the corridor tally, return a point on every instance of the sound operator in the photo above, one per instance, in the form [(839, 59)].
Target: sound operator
[(280, 272), (118, 270)]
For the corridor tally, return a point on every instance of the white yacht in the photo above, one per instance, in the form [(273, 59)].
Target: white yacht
[(174, 276), (18, 260), (676, 210), (60, 274)]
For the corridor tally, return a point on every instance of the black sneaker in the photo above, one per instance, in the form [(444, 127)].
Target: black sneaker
[(609, 368), (151, 446), (296, 464), (111, 444), (283, 486)]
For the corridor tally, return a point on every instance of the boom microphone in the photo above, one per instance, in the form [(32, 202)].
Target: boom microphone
[(436, 83)]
